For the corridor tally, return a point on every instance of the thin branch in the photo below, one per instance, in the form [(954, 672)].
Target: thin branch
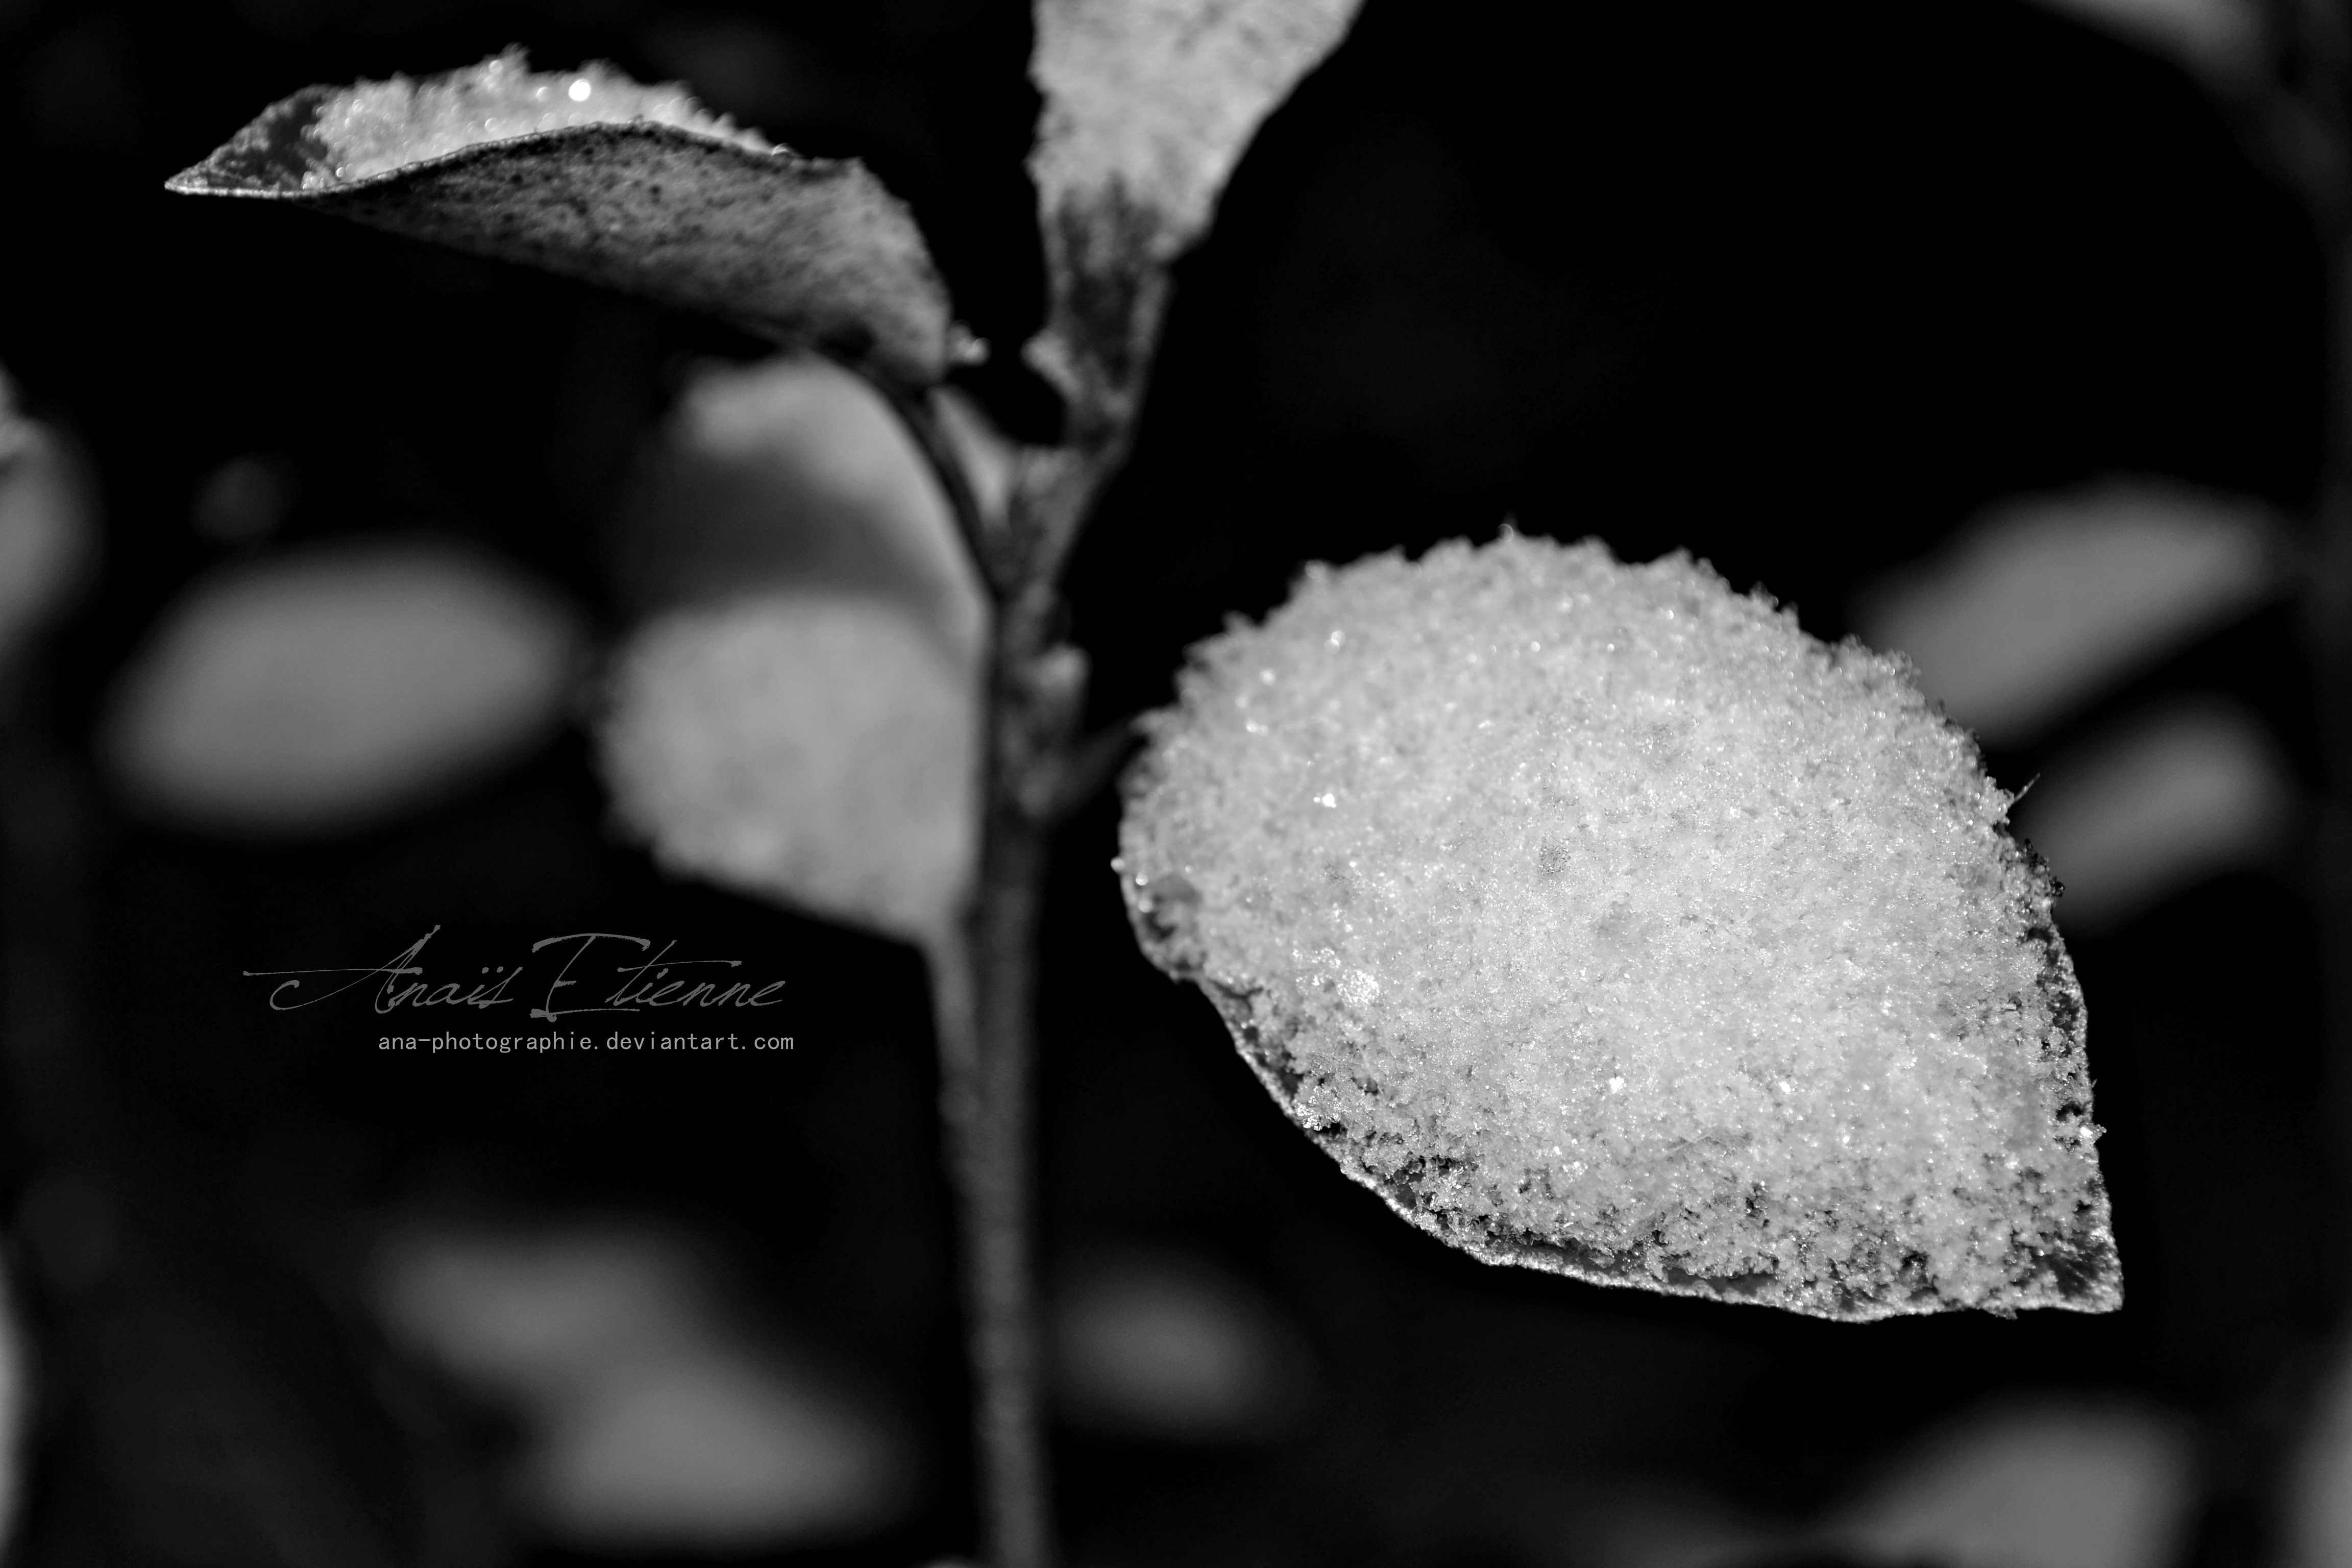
[(919, 414)]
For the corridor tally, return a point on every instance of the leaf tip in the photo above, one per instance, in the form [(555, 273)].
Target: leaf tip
[(280, 154)]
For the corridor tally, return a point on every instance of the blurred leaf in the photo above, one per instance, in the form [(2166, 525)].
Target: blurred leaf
[(818, 748), (1149, 105), (2056, 1483), (800, 250), (1166, 1345), (49, 526), (2317, 1529), (794, 473), (2048, 600), (2221, 38), (16, 1404), (323, 692), (799, 720), (2148, 807), (653, 1417)]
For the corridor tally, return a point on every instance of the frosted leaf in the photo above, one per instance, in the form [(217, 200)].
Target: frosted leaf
[(327, 690), (592, 175), (375, 127), (1149, 105), (816, 748), (1603, 923)]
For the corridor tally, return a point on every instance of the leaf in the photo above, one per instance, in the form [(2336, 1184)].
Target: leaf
[(649, 1419), (660, 201), (799, 720), (1149, 105), (1602, 922), (2054, 1481), (49, 526), (2036, 608), (327, 690), (816, 748), (2222, 39), (15, 1402), (793, 472), (2176, 794)]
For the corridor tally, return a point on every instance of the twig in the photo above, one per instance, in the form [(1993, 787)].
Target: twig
[(984, 970)]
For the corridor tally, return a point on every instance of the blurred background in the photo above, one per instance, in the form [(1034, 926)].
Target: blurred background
[(1974, 328)]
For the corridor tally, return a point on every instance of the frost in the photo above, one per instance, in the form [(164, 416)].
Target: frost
[(1152, 101), (629, 188), (375, 127), (1648, 940), (1149, 105)]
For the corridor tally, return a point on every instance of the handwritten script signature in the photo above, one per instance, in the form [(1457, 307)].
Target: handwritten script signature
[(402, 982)]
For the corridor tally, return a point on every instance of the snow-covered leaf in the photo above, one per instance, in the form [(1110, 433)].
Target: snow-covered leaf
[(1149, 105), (588, 174), (328, 690), (1602, 921)]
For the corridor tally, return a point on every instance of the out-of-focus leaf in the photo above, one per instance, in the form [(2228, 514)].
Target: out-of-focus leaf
[(2317, 1531), (325, 691), (2163, 800), (1149, 105), (2221, 39), (1166, 1345), (2048, 600), (2054, 1484), (652, 1419), (48, 529), (817, 748), (679, 208), (16, 1404), (798, 718), (795, 474)]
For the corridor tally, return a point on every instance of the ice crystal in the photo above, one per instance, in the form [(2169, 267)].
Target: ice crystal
[(373, 127)]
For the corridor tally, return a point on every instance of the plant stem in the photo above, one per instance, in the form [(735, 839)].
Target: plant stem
[(988, 1108), (984, 972)]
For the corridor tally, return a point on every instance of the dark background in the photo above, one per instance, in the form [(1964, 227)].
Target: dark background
[(1797, 288)]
